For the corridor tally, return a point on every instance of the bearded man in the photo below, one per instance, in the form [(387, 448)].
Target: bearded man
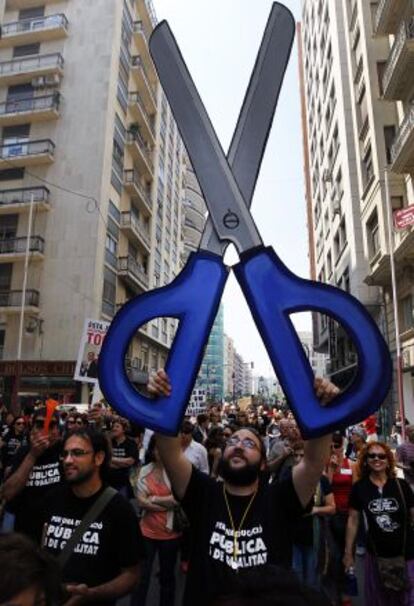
[(242, 522)]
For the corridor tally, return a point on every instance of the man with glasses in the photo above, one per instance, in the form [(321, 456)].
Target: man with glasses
[(103, 566), (242, 522), (34, 470)]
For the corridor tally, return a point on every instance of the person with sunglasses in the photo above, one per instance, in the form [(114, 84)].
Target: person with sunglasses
[(242, 522), (16, 438), (387, 505), (34, 470)]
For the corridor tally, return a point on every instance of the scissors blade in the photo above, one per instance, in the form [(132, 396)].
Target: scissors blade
[(256, 115), (224, 201)]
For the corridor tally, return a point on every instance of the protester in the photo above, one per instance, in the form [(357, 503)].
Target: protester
[(201, 429), (29, 577), (215, 445), (34, 470), (357, 438), (340, 474), (405, 456), (387, 505), (193, 451), (240, 522), (157, 527), (370, 426), (15, 438), (124, 457), (103, 565)]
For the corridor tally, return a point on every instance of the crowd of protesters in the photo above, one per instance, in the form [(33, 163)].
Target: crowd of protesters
[(231, 502)]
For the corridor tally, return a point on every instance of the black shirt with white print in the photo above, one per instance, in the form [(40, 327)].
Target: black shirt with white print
[(264, 538), (386, 516), (111, 543), (27, 505), (119, 477)]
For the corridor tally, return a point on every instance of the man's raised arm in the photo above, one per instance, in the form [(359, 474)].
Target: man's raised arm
[(307, 473), (176, 465)]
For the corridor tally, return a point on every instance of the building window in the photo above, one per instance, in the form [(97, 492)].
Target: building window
[(389, 138), (109, 292), (26, 49), (367, 166), (380, 73), (373, 237), (407, 312)]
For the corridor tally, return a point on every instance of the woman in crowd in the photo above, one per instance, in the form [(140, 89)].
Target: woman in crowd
[(386, 504), (15, 438), (340, 475), (157, 502)]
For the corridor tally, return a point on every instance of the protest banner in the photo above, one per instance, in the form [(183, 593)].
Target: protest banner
[(93, 334)]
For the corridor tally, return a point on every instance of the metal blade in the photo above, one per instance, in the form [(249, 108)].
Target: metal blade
[(255, 119), (225, 203)]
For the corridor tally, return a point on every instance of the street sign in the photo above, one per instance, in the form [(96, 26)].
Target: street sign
[(404, 218)]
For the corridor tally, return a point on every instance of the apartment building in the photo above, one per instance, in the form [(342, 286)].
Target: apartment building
[(194, 212), (91, 164), (334, 222), (357, 82), (211, 375)]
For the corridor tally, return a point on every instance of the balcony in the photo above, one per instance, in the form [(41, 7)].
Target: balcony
[(14, 249), (140, 153), (402, 150), (11, 301), (22, 4), (141, 41), (136, 231), (37, 29), (25, 69), (133, 274), (18, 200), (388, 16), (146, 89), (395, 82), (140, 114), (33, 109), (26, 153), (134, 187)]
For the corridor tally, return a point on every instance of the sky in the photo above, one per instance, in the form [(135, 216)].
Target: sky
[(219, 40)]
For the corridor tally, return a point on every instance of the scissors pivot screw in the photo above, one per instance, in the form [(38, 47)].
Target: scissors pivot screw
[(231, 220)]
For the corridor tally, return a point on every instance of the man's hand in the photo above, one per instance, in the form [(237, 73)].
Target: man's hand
[(159, 383), (38, 444), (79, 594), (325, 390)]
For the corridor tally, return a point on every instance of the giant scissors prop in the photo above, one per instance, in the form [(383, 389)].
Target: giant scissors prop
[(272, 291)]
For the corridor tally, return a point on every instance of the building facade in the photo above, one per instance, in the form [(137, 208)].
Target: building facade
[(357, 90), (211, 375), (89, 144)]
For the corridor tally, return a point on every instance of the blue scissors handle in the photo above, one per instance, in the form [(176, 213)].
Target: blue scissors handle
[(273, 292), (192, 298)]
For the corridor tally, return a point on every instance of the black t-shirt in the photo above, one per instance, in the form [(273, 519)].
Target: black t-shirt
[(125, 450), (265, 536), (112, 542), (303, 531), (386, 516), (28, 504), (11, 445)]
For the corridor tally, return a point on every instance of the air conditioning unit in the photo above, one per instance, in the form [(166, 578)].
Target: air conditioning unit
[(327, 176)]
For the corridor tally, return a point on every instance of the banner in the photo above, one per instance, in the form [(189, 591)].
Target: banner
[(93, 334)]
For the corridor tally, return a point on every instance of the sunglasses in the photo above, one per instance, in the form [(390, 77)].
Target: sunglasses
[(40, 424), (336, 446), (376, 455), (20, 423), (75, 453)]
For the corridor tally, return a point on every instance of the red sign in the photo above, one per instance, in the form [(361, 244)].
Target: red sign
[(404, 218)]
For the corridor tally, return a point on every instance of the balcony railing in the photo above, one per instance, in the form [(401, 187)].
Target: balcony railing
[(137, 62), (26, 148), (135, 97), (405, 32), (24, 195), (128, 219), (388, 15), (139, 29), (27, 64), (407, 127), (18, 245), (136, 137), (34, 24), (32, 104), (131, 177), (14, 298), (130, 266)]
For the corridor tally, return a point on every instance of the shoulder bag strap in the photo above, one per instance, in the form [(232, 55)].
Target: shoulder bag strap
[(406, 513), (86, 521)]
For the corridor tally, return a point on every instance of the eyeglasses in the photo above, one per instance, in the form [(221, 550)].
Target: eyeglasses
[(75, 453), (376, 455), (40, 424), (245, 442)]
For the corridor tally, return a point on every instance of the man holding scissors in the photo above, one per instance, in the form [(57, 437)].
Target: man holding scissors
[(242, 522)]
